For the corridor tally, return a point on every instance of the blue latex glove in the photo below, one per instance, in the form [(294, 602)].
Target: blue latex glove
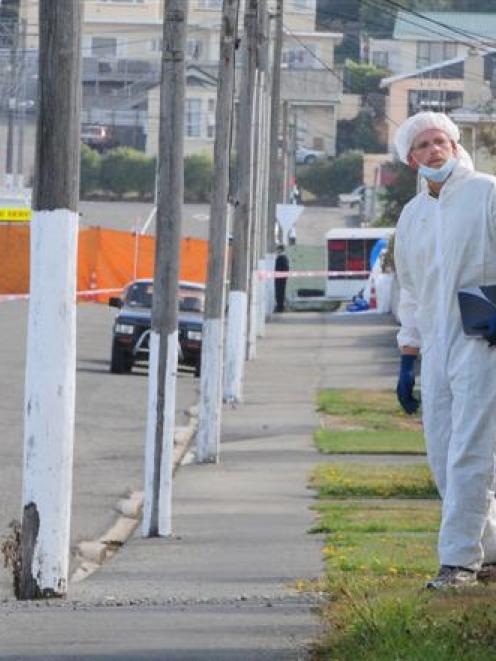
[(488, 329), (406, 381)]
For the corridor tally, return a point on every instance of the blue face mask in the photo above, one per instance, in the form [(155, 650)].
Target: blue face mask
[(438, 174)]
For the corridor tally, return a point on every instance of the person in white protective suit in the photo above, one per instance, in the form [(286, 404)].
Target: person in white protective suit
[(446, 240)]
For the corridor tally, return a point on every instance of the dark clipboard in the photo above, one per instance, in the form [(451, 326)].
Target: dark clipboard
[(477, 304)]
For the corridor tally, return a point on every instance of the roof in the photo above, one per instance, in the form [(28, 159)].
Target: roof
[(410, 27), (420, 72), (360, 233)]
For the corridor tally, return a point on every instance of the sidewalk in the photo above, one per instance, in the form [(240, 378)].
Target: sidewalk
[(224, 586)]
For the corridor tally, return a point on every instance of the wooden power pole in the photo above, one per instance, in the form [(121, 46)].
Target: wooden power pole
[(208, 437), (51, 344), (164, 335), (258, 185), (238, 294), (274, 169)]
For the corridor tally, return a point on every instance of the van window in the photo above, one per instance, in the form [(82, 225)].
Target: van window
[(350, 254)]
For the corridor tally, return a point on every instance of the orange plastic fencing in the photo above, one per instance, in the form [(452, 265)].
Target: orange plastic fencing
[(107, 259)]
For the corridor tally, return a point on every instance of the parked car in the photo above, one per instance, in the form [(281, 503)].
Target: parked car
[(353, 199), (305, 156), (131, 331), (97, 137)]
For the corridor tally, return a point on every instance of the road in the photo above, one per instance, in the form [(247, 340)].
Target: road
[(110, 423), (311, 227)]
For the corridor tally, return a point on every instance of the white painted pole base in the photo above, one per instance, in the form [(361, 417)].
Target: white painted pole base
[(235, 346), (261, 304), (209, 423), (169, 413), (50, 394), (270, 297), (252, 333)]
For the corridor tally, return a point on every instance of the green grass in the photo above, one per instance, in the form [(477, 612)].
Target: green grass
[(368, 480), (379, 553), (382, 554), (388, 619), (376, 516), (370, 442), (375, 410)]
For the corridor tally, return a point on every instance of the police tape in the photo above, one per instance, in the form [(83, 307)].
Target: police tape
[(268, 275), (262, 275), (88, 293)]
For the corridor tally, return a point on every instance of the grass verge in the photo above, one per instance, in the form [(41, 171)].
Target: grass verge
[(354, 479), (377, 516), (370, 442), (378, 553), (366, 409)]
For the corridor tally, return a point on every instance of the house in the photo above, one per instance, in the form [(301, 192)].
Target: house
[(121, 47), (446, 86), (424, 40)]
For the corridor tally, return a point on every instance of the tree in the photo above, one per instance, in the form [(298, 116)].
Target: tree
[(363, 78), (359, 133), (402, 188), (327, 179)]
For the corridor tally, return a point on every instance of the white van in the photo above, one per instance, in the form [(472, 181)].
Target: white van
[(348, 259)]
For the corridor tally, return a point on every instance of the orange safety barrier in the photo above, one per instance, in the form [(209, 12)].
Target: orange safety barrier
[(107, 259)]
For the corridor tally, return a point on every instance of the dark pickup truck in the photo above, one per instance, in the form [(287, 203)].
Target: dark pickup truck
[(131, 330)]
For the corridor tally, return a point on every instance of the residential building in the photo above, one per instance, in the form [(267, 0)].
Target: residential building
[(445, 87), (421, 41), (122, 43)]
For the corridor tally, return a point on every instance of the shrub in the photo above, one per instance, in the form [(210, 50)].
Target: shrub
[(197, 178), (124, 170), (90, 170), (327, 179)]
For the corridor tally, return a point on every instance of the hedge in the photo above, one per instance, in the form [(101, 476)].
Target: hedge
[(128, 172)]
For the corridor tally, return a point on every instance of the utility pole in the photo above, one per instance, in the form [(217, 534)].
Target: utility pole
[(208, 436), (238, 297), (51, 343), (258, 184), (12, 96), (274, 169), (264, 181), (163, 343), (286, 140), (21, 108)]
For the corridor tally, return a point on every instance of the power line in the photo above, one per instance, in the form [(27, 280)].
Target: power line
[(466, 33)]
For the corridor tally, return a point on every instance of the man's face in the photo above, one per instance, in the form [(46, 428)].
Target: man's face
[(432, 148)]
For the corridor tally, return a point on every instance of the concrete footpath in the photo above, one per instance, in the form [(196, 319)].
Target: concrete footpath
[(225, 586)]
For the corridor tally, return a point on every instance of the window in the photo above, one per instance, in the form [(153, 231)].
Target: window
[(303, 5), (436, 100), (193, 118), (104, 46), (156, 45), (380, 59), (194, 49), (209, 4), (431, 52), (211, 105), (350, 255), (302, 58)]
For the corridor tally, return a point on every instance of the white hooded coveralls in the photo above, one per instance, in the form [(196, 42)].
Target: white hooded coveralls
[(441, 246)]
